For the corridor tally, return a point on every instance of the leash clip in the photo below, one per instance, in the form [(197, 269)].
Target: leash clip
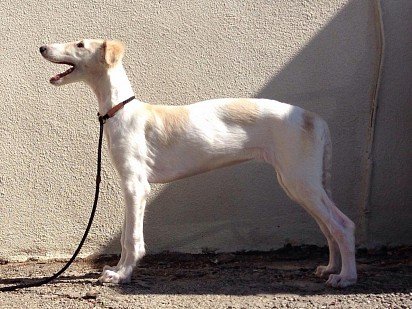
[(102, 119)]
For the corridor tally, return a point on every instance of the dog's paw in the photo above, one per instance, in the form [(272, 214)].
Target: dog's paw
[(119, 277), (325, 271), (341, 281)]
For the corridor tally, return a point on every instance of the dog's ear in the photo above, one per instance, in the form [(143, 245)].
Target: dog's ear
[(112, 52)]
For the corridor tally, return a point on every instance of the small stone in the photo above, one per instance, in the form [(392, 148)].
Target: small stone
[(91, 294)]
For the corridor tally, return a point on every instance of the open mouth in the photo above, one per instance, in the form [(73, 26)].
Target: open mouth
[(59, 76)]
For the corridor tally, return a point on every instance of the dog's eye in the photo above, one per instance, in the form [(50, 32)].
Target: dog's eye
[(80, 44)]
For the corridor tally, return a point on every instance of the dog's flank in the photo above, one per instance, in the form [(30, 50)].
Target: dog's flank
[(153, 143)]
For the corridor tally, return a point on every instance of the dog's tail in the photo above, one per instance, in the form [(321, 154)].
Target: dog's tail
[(327, 161)]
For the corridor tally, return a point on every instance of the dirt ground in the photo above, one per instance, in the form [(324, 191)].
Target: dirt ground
[(278, 279)]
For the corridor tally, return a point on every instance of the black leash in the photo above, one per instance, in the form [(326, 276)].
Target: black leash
[(102, 120)]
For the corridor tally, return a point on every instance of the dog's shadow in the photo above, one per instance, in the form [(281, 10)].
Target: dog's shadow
[(285, 271)]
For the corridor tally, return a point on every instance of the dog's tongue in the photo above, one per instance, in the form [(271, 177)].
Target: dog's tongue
[(60, 75)]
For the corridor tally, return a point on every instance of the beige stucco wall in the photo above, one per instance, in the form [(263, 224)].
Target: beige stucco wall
[(321, 55)]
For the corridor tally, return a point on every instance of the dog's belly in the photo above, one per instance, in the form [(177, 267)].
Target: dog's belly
[(163, 170)]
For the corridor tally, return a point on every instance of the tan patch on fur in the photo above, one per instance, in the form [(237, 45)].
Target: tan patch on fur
[(308, 126), (308, 122), (166, 123), (240, 111)]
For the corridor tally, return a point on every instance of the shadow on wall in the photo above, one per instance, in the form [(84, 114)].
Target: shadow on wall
[(243, 207)]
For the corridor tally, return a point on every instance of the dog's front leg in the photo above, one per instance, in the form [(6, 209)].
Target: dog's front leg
[(136, 189), (123, 250)]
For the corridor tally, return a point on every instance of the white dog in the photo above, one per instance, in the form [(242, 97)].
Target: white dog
[(158, 144)]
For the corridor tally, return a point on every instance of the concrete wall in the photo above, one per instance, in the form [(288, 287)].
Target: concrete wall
[(321, 55)]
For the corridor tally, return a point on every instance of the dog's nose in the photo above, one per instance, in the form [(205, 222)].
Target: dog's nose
[(42, 49)]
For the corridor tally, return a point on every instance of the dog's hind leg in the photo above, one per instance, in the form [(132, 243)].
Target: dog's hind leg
[(136, 189), (333, 223), (302, 157), (343, 230), (301, 176), (334, 264)]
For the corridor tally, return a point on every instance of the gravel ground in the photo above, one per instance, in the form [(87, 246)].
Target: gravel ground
[(278, 279)]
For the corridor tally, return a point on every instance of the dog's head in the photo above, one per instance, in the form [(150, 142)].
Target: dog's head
[(86, 58)]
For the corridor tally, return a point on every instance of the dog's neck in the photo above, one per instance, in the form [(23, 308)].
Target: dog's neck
[(111, 87)]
